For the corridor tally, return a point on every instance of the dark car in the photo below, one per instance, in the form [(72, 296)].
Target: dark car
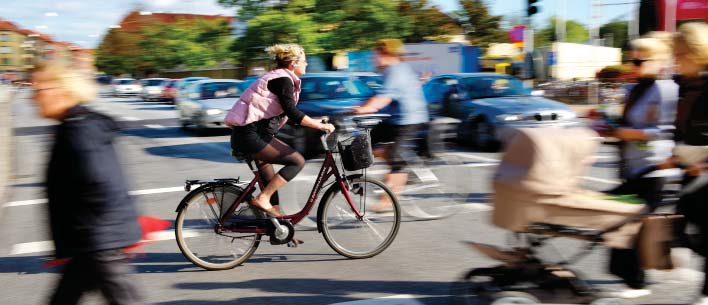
[(490, 106), (323, 94)]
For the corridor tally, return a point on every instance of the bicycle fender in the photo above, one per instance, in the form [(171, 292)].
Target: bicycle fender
[(330, 192), (183, 202)]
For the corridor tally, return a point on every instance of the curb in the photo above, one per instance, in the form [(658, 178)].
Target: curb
[(6, 96)]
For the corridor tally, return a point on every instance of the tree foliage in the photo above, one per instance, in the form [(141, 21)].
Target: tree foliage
[(575, 32), (617, 31), (482, 28), (428, 22), (159, 46)]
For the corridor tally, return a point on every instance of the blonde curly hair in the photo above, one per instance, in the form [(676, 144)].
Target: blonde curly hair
[(656, 48), (285, 53), (80, 85), (694, 38)]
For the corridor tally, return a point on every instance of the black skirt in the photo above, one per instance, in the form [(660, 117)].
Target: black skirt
[(252, 138)]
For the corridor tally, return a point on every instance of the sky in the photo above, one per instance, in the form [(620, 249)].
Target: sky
[(84, 22)]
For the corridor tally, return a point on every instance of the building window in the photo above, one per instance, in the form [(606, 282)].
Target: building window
[(5, 50), (4, 37)]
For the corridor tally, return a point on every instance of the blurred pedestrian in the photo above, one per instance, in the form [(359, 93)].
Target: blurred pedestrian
[(691, 54), (92, 217), (258, 115), (646, 129), (402, 98)]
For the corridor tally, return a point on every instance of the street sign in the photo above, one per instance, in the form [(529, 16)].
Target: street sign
[(516, 34)]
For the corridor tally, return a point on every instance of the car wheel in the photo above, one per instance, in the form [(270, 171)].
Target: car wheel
[(483, 135)]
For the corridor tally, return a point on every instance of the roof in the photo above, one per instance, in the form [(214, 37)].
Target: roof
[(8, 26), (134, 20)]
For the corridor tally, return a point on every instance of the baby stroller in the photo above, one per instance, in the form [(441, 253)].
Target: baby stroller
[(537, 196)]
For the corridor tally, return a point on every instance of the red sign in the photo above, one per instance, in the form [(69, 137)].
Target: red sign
[(516, 34), (673, 12)]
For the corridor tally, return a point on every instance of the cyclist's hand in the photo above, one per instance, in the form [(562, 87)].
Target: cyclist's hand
[(364, 110), (328, 128)]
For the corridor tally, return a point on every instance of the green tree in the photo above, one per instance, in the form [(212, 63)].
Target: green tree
[(482, 28), (617, 32), (575, 32), (357, 24), (159, 46), (428, 22), (291, 24)]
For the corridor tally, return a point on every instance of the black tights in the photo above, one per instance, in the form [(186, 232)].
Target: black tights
[(277, 152)]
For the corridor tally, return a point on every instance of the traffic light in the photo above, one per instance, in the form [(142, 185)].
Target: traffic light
[(531, 7)]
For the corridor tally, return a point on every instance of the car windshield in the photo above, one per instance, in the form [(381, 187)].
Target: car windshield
[(319, 88), (220, 90), (125, 81), (492, 86), (153, 82)]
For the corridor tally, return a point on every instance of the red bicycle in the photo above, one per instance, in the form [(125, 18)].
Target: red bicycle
[(217, 229)]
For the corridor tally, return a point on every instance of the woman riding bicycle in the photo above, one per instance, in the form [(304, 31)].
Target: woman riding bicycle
[(258, 115), (402, 98)]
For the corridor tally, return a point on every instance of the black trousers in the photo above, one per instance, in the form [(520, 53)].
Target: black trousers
[(695, 210), (106, 271), (624, 263)]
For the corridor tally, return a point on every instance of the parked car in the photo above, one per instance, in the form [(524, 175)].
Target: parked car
[(323, 94), (490, 106), (182, 85), (126, 87), (206, 102), (170, 90), (373, 80), (153, 89)]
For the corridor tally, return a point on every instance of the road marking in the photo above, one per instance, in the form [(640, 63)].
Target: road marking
[(155, 126), (400, 299), (130, 118), (606, 181), (33, 247), (24, 202), (157, 191), (133, 193), (481, 164), (48, 245), (480, 158)]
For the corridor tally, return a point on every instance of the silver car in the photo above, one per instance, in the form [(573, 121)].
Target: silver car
[(154, 89), (126, 87), (206, 102), (491, 106)]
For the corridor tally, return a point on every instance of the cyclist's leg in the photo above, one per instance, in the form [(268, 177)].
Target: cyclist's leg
[(267, 173), (277, 152)]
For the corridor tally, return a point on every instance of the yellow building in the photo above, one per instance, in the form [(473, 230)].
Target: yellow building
[(12, 43)]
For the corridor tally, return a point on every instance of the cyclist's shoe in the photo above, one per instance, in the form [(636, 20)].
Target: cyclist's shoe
[(295, 242)]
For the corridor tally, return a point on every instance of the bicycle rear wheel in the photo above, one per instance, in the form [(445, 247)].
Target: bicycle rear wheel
[(363, 237), (196, 223)]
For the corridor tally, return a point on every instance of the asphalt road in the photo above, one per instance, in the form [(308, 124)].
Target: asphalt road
[(158, 157)]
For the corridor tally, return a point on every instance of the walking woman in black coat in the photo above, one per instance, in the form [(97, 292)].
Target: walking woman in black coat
[(92, 217)]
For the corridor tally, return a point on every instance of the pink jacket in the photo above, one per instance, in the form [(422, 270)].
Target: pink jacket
[(258, 103)]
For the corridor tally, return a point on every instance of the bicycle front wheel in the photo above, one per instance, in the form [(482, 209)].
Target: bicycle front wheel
[(196, 234), (360, 237)]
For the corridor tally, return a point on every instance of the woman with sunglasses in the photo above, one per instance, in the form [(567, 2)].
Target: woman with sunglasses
[(691, 54), (645, 138)]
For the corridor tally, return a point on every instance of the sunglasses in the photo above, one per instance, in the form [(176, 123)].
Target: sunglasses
[(638, 62)]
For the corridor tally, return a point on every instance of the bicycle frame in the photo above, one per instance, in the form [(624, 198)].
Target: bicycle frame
[(329, 168)]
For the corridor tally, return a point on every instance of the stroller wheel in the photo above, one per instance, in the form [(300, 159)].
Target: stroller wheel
[(513, 297), (609, 301)]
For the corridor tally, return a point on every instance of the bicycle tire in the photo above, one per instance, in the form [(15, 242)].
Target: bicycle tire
[(341, 228), (194, 228)]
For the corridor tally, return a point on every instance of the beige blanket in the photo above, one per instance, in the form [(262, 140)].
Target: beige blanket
[(538, 181)]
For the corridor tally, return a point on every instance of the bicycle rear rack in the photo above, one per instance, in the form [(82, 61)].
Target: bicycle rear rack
[(188, 183)]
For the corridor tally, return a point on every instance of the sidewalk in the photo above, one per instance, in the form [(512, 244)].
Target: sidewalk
[(6, 95)]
